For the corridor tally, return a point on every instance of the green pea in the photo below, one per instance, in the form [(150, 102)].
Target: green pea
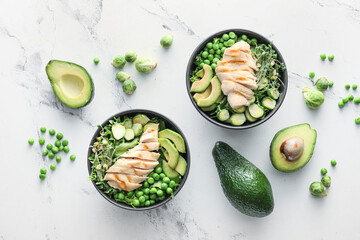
[(31, 141), (253, 41), (139, 193), (357, 120), (164, 186), (323, 171), (66, 149), (223, 49), (43, 170), (323, 56), (42, 141), (345, 100), (357, 100), (42, 176), (146, 191), (232, 35), (213, 66), (153, 196), (52, 166), (311, 74), (347, 86), (209, 45), (215, 60), (169, 191), (333, 162), (230, 42), (159, 192), (205, 54), (225, 37), (156, 176), (172, 184), (206, 49), (158, 170), (216, 56), (55, 149), (166, 180), (72, 157), (59, 136), (244, 37), (216, 47), (96, 60), (121, 196), (146, 185), (162, 175), (341, 104), (43, 129), (58, 159), (211, 51), (49, 146), (152, 202), (147, 203), (153, 190), (351, 97), (151, 180), (221, 45), (142, 199), (52, 132), (57, 143), (45, 152), (354, 86), (61, 148), (331, 83), (130, 194), (135, 203), (331, 57), (162, 197), (218, 52), (207, 61), (51, 155), (201, 65), (221, 40)]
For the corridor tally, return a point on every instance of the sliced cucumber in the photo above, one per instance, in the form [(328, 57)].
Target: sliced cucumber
[(118, 131), (269, 103), (209, 109), (273, 93), (129, 134), (263, 83), (128, 123), (223, 115), (237, 119), (141, 118), (138, 129), (249, 117), (240, 109), (252, 100), (151, 125), (256, 111)]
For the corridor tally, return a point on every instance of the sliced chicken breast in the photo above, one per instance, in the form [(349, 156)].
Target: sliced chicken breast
[(123, 177), (247, 62), (124, 185), (151, 146), (150, 135), (136, 163), (236, 100), (246, 83), (242, 72), (129, 170), (229, 86), (142, 155)]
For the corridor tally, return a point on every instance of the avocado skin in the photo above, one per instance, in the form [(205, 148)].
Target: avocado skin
[(245, 186)]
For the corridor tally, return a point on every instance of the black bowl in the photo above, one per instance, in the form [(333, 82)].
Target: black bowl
[(261, 39), (170, 125)]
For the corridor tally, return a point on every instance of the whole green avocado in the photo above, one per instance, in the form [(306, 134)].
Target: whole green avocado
[(245, 186)]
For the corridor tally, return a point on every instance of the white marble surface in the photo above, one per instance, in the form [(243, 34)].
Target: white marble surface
[(66, 205)]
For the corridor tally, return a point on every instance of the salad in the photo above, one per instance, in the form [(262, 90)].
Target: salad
[(137, 160), (236, 79)]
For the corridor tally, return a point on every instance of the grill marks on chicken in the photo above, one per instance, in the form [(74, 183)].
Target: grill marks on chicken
[(133, 167), (237, 74)]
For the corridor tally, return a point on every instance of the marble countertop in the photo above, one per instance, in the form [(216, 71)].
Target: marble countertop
[(67, 206)]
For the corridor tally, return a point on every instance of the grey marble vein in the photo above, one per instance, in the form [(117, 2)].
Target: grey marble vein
[(5, 31)]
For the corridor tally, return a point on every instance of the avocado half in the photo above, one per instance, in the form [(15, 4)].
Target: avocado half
[(278, 159), (71, 83)]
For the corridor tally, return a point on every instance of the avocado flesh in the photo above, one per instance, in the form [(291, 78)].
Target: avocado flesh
[(245, 186), (172, 151), (175, 137), (71, 83), (201, 85), (214, 95), (302, 131), (203, 94)]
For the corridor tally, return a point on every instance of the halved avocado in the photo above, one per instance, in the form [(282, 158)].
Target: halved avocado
[(201, 85), (175, 137), (71, 83), (279, 160), (172, 151), (203, 94), (214, 95)]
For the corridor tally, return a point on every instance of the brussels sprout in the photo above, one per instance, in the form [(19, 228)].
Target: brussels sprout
[(313, 98), (166, 41), (130, 56), (129, 86), (119, 61), (322, 84), (122, 76), (326, 180), (145, 65), (317, 189)]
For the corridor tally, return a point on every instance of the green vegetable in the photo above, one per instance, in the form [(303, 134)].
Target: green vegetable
[(129, 86), (66, 149), (232, 35), (72, 157), (45, 152), (31, 141), (341, 104), (357, 120), (55, 150), (345, 100), (331, 57), (42, 176), (230, 42), (244, 37), (42, 141), (145, 65), (58, 159), (347, 86), (122, 76), (129, 134), (151, 180), (225, 37), (323, 56), (164, 186), (137, 127), (159, 192), (205, 54), (166, 40), (135, 203), (156, 176), (172, 184), (130, 56), (43, 129), (351, 97), (326, 180), (65, 142), (51, 155), (52, 132), (61, 148), (333, 162), (119, 61), (237, 119), (96, 60), (213, 66), (57, 143), (273, 93), (52, 166), (43, 170), (49, 146), (311, 74), (357, 100), (331, 83), (322, 84), (269, 103), (354, 86), (59, 136), (169, 191), (317, 189), (323, 171), (223, 115), (313, 98), (256, 111)]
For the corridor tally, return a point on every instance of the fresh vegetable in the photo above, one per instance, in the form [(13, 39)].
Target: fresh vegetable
[(42, 176), (203, 84), (345, 100), (166, 40), (145, 65), (71, 83), (351, 97), (31, 141), (52, 132), (65, 142), (323, 171), (57, 143), (43, 170), (331, 57), (45, 152), (72, 157), (51, 155), (119, 61), (357, 100), (354, 86), (122, 76), (313, 98), (130, 56), (311, 75), (59, 136), (129, 86), (175, 137), (292, 147), (214, 94), (43, 129), (52, 167), (223, 115), (42, 141), (58, 159), (49, 146), (251, 195), (326, 180), (317, 189), (357, 120), (96, 60), (331, 83), (333, 162), (66, 149), (341, 104), (347, 86), (322, 84), (323, 56)]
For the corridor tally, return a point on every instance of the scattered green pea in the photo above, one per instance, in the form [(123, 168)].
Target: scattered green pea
[(52, 166), (43, 170), (230, 42), (43, 129), (341, 104), (152, 202), (42, 176), (357, 120), (72, 157), (58, 159), (153, 196), (42, 141), (166, 180), (210, 57), (51, 155), (311, 75), (57, 143), (216, 47), (326, 180), (354, 86), (207, 61), (323, 56), (130, 194), (121, 196), (55, 149), (331, 83), (59, 136), (351, 97), (61, 148), (331, 57), (357, 100), (347, 86), (31, 141), (146, 184), (333, 162), (146, 191), (96, 60), (323, 171), (162, 197), (142, 199), (345, 100), (45, 152), (49, 146), (66, 149)]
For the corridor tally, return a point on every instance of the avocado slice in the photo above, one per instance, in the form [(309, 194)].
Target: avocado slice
[(201, 85), (245, 186), (203, 94), (214, 95), (71, 83), (181, 166), (175, 137), (279, 159), (170, 148), (169, 172)]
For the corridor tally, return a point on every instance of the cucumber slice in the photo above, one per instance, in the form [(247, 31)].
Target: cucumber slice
[(129, 134), (237, 119), (252, 100), (181, 166), (263, 83), (209, 109), (141, 118), (269, 103), (223, 115), (240, 109), (118, 131), (138, 129), (273, 93), (152, 125), (128, 123), (256, 111), (249, 117)]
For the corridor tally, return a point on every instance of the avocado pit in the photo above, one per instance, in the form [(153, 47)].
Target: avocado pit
[(292, 148)]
